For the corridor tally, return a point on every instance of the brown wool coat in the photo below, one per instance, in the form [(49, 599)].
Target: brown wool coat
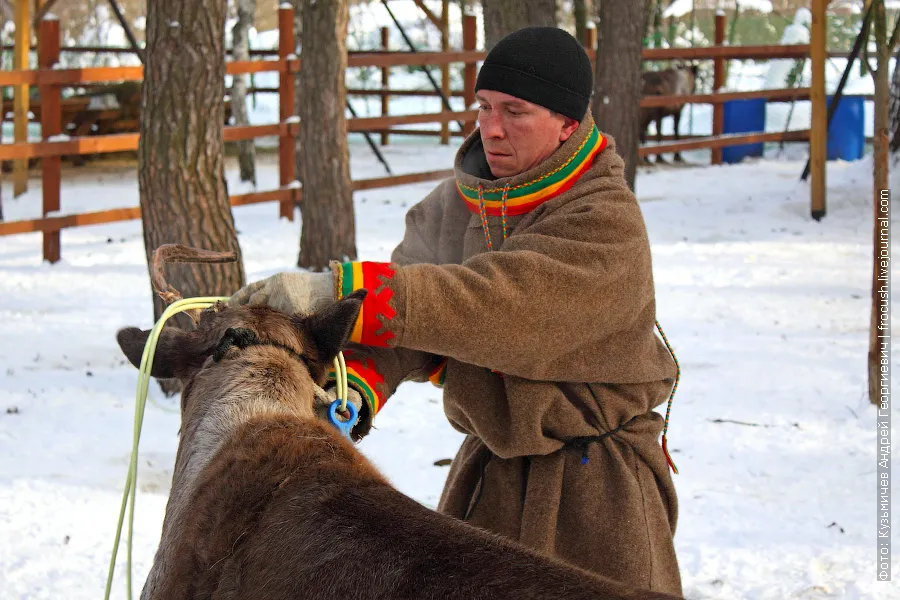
[(565, 310)]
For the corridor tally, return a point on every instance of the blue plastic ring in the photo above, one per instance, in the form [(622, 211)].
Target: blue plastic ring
[(343, 426)]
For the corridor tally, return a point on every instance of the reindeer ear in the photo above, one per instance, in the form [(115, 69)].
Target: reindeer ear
[(330, 328), (176, 353)]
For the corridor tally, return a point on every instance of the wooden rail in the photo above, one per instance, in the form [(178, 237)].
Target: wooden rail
[(377, 123), (720, 51), (289, 195), (724, 140), (123, 142), (74, 77), (780, 95)]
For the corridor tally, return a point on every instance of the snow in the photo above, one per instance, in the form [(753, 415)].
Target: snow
[(679, 8), (767, 310), (795, 33)]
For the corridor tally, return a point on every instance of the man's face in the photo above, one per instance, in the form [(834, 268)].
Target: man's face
[(518, 135)]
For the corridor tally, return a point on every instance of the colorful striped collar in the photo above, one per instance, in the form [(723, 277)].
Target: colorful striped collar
[(528, 190)]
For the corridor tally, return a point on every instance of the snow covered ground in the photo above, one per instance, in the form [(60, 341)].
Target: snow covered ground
[(767, 310)]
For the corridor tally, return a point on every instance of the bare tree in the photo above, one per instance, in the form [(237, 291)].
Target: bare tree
[(883, 48), (617, 91), (502, 17), (240, 41), (180, 156), (326, 206), (583, 13), (894, 116)]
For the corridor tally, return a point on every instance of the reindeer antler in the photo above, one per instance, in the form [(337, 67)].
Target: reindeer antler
[(172, 253)]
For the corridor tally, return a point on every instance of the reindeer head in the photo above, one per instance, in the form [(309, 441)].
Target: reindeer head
[(251, 346), (248, 351)]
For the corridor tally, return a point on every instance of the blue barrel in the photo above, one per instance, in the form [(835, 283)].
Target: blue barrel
[(744, 116), (846, 133)]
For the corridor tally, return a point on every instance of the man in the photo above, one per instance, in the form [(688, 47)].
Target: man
[(523, 286)]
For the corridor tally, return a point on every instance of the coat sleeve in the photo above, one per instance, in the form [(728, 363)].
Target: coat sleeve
[(376, 372), (554, 302)]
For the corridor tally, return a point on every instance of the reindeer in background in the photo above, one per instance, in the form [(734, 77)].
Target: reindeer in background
[(674, 81), (270, 502)]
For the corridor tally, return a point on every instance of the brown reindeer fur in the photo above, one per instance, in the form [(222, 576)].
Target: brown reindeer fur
[(269, 502), (678, 81)]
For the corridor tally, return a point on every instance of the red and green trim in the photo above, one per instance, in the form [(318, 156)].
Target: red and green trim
[(362, 376), (524, 197), (372, 276), (438, 374)]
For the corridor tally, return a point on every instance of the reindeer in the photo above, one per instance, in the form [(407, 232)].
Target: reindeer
[(677, 81), (269, 502)]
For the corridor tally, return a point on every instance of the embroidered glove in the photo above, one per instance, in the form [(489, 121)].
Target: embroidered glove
[(324, 398), (291, 292)]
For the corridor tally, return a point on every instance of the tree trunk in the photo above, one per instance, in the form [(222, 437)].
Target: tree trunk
[(583, 11), (241, 43), (617, 92), (502, 17), (894, 117), (880, 160), (181, 151), (326, 207)]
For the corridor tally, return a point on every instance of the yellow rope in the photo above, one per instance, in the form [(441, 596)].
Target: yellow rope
[(340, 375), (143, 385), (140, 404)]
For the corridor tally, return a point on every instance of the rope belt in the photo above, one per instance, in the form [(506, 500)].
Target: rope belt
[(578, 443), (582, 443)]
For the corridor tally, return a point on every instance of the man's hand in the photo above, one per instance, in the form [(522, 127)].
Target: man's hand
[(324, 398), (292, 292)]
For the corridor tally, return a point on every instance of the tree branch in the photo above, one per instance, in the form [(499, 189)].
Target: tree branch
[(867, 33), (895, 37), (127, 28), (428, 13)]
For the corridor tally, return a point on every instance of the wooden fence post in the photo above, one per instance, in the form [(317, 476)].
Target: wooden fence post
[(51, 125), (385, 82), (818, 137), (590, 37), (286, 141), (718, 83), (20, 98), (470, 72)]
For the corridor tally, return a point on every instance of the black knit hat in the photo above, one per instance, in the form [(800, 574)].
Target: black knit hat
[(543, 65)]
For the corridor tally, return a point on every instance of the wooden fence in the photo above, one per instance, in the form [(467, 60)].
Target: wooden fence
[(50, 80)]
